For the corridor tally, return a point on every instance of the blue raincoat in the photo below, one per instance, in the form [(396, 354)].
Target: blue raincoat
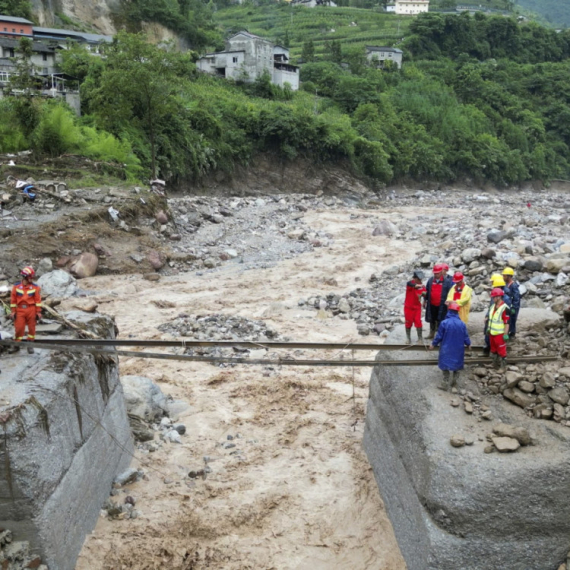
[(453, 337)]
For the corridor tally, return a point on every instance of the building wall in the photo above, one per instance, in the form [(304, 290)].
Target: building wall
[(14, 30), (258, 55), (412, 7), (282, 76)]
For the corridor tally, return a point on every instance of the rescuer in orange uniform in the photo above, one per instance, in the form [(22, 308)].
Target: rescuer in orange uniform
[(26, 306)]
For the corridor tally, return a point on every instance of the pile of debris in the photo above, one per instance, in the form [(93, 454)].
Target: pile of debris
[(504, 438), (542, 390), (219, 327), (15, 555)]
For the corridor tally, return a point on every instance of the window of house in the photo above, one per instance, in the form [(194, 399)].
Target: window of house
[(5, 29), (11, 52), (21, 31), (13, 30), (3, 76), (235, 59), (44, 56)]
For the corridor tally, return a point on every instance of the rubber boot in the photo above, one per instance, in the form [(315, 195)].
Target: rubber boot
[(503, 364), (30, 349), (487, 351), (408, 336), (444, 385), (431, 331), (420, 332), (454, 377), (13, 349), (496, 363)]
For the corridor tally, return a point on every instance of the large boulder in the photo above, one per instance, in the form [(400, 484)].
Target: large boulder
[(384, 228), (84, 265), (555, 265), (58, 283), (462, 508), (144, 398)]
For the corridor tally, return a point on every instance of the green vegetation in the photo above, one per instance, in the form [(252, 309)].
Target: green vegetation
[(16, 8), (556, 12), (191, 19), (354, 28), (478, 97)]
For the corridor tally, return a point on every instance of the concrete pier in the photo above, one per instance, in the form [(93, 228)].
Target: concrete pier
[(64, 436), (462, 508)]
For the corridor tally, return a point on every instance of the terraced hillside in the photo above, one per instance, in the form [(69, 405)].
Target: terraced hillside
[(353, 27)]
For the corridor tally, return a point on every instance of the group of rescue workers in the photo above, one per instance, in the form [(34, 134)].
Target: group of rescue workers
[(447, 303), (446, 300)]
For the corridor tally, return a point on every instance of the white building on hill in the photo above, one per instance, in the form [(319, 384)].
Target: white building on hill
[(410, 7), (247, 57)]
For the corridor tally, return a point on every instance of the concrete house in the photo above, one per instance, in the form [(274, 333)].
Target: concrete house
[(247, 57), (46, 46), (411, 7), (382, 54)]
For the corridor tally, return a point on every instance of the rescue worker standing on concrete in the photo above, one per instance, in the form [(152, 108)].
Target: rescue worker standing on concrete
[(415, 290), (453, 337), (433, 299), (497, 328), (460, 293), (26, 306), (513, 291)]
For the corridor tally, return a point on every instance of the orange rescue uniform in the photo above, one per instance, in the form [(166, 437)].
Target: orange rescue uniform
[(26, 304)]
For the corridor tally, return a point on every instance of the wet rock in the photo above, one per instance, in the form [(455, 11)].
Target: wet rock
[(156, 259), (143, 397), (58, 284), (506, 444), (385, 228), (556, 265), (457, 441), (127, 477), (84, 265), (519, 433), (161, 217), (496, 236), (533, 264), (518, 397), (44, 266), (559, 395), (471, 254)]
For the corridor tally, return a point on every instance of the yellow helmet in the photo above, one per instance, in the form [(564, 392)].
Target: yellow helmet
[(497, 280), (508, 271)]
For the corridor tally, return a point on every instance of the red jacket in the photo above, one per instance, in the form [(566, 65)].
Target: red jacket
[(413, 295), (26, 296)]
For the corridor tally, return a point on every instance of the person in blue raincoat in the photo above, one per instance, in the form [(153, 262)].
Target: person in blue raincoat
[(453, 337)]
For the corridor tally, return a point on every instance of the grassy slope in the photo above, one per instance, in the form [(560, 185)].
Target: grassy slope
[(556, 12), (301, 24)]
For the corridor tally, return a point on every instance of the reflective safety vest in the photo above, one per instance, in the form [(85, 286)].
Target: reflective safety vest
[(496, 325)]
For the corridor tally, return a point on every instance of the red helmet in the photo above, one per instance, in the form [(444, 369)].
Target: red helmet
[(496, 292), (28, 272), (453, 306), (437, 268), (458, 277), (445, 267)]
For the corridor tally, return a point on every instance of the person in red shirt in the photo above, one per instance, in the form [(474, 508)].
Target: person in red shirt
[(433, 299), (415, 290)]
